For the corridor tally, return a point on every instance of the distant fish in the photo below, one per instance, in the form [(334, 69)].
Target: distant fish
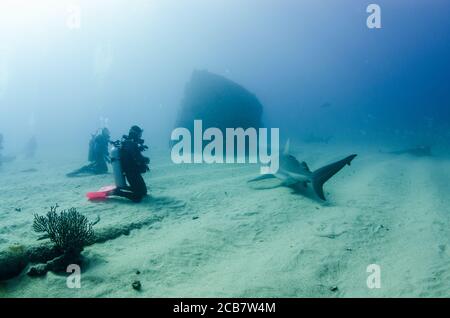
[(29, 170), (311, 138), (429, 122), (420, 151), (325, 105)]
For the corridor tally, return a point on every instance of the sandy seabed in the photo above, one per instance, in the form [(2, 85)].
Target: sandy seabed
[(218, 236)]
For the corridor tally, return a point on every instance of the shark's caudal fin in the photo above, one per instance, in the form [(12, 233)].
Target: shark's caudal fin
[(322, 175)]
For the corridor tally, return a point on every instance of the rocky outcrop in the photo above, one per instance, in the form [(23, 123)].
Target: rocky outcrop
[(218, 102)]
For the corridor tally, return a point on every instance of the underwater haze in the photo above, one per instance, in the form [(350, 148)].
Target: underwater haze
[(129, 61), (332, 85)]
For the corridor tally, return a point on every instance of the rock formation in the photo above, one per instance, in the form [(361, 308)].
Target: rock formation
[(218, 102)]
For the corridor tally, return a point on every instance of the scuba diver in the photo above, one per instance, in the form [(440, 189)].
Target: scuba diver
[(98, 155), (30, 148), (131, 164), (1, 148), (4, 159)]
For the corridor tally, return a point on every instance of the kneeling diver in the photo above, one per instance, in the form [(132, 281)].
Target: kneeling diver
[(98, 155), (3, 158), (130, 164)]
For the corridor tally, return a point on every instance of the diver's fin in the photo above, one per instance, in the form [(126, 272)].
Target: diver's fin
[(262, 177), (286, 147), (101, 194), (322, 175)]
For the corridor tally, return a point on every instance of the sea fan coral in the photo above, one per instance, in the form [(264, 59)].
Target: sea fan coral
[(69, 230)]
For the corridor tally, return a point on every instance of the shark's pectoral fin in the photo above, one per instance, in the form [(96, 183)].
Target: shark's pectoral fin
[(262, 177), (318, 189), (266, 185)]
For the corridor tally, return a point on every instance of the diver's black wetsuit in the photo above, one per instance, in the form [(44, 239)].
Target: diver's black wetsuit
[(100, 155), (134, 164)]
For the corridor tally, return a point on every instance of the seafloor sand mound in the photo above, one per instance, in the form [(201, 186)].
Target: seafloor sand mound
[(216, 236)]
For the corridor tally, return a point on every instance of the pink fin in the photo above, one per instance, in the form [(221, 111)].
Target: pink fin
[(101, 194)]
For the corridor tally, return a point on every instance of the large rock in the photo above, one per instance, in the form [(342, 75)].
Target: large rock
[(218, 102)]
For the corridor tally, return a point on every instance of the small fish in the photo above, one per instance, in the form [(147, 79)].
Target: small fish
[(311, 138), (420, 151), (29, 170)]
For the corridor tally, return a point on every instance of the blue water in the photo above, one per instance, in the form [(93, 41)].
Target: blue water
[(128, 61), (333, 86)]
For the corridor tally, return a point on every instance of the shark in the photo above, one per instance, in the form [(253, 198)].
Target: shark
[(311, 138), (419, 151), (292, 172)]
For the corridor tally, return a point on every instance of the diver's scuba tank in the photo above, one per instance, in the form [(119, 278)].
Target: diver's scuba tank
[(119, 178)]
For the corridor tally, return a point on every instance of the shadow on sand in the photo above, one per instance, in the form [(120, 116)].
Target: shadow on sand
[(150, 201), (297, 189)]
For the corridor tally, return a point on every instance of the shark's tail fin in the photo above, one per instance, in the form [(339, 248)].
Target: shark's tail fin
[(322, 175)]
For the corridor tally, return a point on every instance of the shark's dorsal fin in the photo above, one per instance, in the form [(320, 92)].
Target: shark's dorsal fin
[(305, 166), (286, 147)]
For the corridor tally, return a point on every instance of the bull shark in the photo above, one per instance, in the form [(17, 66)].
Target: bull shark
[(419, 151), (292, 172)]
